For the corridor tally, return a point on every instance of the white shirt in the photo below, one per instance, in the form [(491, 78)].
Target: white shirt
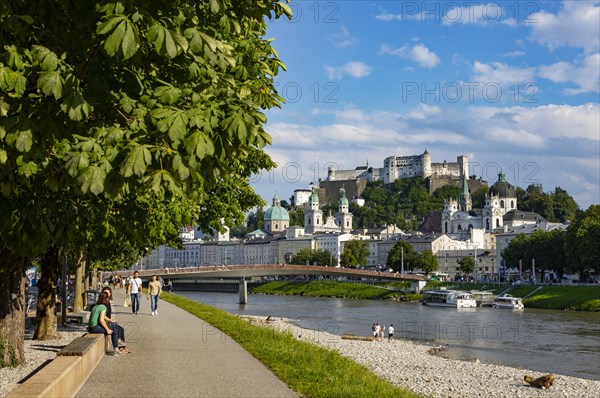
[(136, 284), (391, 330)]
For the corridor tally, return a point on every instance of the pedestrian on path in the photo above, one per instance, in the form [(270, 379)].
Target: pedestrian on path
[(391, 333), (154, 291), (135, 290)]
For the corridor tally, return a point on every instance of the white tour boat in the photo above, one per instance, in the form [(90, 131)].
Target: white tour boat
[(508, 302), (449, 298)]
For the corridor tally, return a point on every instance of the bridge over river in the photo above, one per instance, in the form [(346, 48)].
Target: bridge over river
[(242, 272)]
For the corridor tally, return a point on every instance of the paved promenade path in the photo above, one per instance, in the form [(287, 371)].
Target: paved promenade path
[(175, 354)]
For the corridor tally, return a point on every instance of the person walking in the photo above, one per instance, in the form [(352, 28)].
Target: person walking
[(135, 290), (154, 291), (382, 333), (391, 333)]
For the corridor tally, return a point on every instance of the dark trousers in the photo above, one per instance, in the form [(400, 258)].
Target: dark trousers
[(114, 336)]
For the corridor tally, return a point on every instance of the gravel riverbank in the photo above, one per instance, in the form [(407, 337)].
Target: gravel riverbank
[(411, 365), (37, 353)]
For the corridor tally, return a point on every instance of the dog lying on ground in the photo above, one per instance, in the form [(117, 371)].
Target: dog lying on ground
[(541, 382)]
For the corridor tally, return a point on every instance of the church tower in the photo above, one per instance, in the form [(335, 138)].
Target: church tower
[(344, 217), (313, 216), (465, 196)]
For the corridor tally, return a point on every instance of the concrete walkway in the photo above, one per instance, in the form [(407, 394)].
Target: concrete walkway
[(175, 354)]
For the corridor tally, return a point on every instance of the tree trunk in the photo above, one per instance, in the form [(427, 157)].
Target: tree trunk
[(46, 327), (12, 309), (79, 293), (94, 279)]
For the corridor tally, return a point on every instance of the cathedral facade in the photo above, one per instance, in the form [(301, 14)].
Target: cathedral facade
[(458, 217), (314, 220)]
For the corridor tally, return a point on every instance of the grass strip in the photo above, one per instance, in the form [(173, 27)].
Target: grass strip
[(580, 298), (327, 289), (310, 370)]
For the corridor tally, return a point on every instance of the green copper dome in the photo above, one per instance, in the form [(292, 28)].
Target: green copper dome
[(343, 200), (276, 212)]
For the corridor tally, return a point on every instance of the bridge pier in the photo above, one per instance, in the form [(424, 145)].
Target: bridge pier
[(417, 286), (243, 291)]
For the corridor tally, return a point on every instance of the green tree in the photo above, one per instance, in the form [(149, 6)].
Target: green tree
[(401, 255), (518, 249), (297, 217), (426, 262), (255, 220), (313, 257), (564, 206), (355, 253), (478, 197), (446, 192), (103, 102), (581, 242), (466, 265)]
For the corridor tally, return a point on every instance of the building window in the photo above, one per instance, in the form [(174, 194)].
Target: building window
[(512, 204), (501, 203), (497, 222)]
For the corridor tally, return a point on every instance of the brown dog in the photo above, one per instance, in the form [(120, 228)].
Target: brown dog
[(541, 382)]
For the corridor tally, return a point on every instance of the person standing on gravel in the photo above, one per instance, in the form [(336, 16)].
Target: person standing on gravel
[(391, 332), (135, 290)]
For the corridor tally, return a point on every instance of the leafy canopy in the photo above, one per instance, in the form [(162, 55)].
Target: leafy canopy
[(104, 102)]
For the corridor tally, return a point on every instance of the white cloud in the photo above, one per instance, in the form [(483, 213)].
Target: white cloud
[(586, 75), (575, 25), (555, 145), (417, 53), (514, 54), (501, 73), (343, 38), (354, 69), (387, 17)]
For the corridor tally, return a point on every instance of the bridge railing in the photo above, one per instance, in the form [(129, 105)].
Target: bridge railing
[(287, 267)]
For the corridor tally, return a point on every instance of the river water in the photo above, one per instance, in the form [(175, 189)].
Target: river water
[(563, 342)]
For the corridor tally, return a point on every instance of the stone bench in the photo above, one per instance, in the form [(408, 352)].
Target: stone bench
[(67, 373)]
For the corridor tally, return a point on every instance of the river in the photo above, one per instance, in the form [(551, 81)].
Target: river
[(563, 342)]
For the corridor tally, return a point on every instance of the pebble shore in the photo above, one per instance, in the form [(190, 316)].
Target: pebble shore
[(36, 353), (411, 365)]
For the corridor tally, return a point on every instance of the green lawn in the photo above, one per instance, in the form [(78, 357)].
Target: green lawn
[(583, 298), (310, 370), (327, 289)]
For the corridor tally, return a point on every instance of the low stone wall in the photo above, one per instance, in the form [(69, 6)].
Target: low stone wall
[(64, 376)]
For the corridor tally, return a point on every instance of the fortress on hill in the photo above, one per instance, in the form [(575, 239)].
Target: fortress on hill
[(394, 168)]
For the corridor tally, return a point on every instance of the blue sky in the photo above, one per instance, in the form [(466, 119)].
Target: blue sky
[(513, 85)]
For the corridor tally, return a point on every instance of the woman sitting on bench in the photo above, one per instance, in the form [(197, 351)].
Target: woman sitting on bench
[(98, 321)]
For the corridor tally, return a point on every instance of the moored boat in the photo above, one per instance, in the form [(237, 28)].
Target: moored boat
[(483, 298), (449, 298), (508, 302)]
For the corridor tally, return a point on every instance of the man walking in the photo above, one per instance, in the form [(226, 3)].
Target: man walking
[(135, 290), (391, 333)]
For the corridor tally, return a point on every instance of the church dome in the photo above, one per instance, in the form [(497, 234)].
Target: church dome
[(343, 200), (502, 188), (276, 212)]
